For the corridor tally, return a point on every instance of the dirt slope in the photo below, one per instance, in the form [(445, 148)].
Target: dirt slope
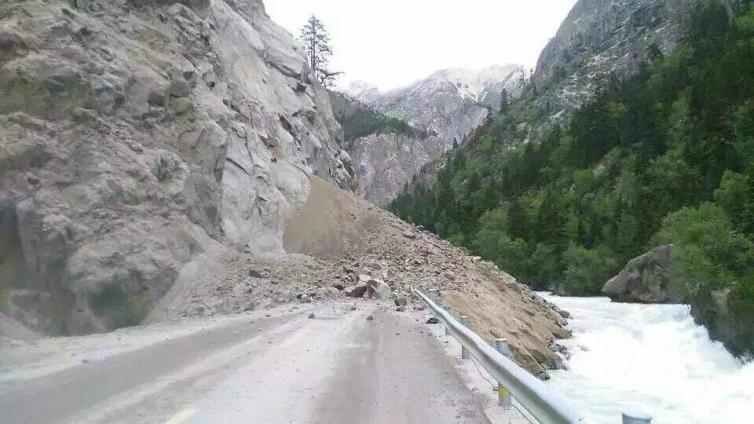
[(336, 226)]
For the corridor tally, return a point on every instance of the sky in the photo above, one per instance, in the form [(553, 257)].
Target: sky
[(392, 43)]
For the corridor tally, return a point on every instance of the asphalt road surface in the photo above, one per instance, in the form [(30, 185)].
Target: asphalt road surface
[(338, 367)]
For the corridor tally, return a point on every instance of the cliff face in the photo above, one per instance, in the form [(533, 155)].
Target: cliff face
[(603, 38), (386, 152), (138, 135), (443, 110), (449, 104)]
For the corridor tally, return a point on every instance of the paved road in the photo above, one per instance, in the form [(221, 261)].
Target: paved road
[(336, 368)]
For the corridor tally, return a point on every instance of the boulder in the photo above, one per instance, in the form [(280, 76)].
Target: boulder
[(357, 290), (646, 279), (378, 289)]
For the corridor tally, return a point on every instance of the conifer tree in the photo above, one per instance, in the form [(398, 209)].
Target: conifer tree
[(316, 42)]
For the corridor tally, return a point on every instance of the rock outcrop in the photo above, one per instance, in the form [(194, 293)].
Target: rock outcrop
[(646, 279), (599, 39), (137, 136), (728, 318), (440, 112), (386, 152)]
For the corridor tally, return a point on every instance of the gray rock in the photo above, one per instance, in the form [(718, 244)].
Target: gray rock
[(727, 319), (646, 279), (378, 289), (156, 98), (357, 290), (179, 88), (182, 105), (129, 199)]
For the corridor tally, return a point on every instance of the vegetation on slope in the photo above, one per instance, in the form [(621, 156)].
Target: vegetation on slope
[(665, 156), (359, 120)]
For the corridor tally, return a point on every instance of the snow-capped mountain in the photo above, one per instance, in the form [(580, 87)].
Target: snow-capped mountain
[(450, 103), (444, 108)]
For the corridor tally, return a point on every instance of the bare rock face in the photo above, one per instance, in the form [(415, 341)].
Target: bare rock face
[(646, 279), (385, 163), (136, 135), (450, 103), (601, 38), (443, 110)]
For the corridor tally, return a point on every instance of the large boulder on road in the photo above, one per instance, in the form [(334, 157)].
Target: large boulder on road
[(378, 289)]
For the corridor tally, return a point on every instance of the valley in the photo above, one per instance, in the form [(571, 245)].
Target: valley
[(206, 218)]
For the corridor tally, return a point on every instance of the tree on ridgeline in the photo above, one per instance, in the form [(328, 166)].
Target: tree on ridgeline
[(316, 42)]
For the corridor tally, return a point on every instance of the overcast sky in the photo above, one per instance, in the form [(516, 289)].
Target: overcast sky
[(391, 43)]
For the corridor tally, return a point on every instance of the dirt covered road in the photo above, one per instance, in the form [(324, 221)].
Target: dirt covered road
[(344, 364)]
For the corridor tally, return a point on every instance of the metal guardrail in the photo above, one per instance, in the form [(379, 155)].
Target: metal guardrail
[(545, 404)]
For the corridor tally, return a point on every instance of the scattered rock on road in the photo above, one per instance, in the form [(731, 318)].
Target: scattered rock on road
[(378, 289), (433, 320), (357, 290)]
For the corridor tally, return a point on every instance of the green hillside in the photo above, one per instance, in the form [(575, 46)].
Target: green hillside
[(663, 156)]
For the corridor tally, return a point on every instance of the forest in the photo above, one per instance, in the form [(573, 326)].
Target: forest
[(663, 156)]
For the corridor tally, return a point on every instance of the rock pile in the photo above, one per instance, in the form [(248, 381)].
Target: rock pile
[(369, 247)]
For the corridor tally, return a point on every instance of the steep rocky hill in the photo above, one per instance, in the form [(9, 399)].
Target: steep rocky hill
[(386, 152), (136, 136), (603, 39)]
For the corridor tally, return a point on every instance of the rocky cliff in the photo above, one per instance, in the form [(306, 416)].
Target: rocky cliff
[(386, 152), (443, 110), (600, 39), (137, 136), (449, 104)]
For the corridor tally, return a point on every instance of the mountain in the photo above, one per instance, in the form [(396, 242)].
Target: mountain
[(439, 111), (635, 132), (386, 152), (600, 39), (449, 103)]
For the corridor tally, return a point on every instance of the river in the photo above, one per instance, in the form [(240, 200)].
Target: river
[(650, 358)]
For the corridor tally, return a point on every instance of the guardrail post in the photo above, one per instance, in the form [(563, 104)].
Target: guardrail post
[(449, 311), (503, 395), (636, 418), (464, 320)]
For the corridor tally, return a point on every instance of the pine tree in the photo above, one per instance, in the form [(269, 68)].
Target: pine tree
[(316, 42)]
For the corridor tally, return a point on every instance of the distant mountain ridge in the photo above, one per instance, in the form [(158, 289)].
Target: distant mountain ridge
[(450, 103), (391, 136)]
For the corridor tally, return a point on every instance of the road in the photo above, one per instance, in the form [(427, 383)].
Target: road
[(338, 367)]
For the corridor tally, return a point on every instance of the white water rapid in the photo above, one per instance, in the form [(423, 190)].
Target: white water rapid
[(650, 358)]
